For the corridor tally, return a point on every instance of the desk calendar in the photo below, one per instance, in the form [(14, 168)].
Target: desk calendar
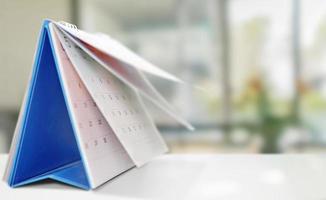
[(83, 120)]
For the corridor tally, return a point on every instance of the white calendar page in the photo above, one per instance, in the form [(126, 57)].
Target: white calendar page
[(102, 152), (120, 105)]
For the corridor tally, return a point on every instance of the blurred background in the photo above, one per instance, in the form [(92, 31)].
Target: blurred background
[(262, 64)]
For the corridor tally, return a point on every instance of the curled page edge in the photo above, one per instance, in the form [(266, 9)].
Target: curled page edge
[(116, 49), (158, 100), (119, 51), (133, 54)]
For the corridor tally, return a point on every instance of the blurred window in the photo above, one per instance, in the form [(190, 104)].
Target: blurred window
[(260, 62)]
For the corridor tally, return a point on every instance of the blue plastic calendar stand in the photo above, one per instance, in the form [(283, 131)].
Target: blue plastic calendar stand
[(47, 147)]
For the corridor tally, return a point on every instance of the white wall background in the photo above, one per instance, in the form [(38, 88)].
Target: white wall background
[(20, 22)]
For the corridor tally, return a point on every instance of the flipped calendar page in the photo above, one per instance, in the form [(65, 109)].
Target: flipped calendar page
[(125, 65), (120, 105)]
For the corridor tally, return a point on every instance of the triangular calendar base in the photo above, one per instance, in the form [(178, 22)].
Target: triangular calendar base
[(71, 174), (46, 131)]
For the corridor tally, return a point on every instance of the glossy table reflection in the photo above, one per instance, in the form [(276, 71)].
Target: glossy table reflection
[(199, 177)]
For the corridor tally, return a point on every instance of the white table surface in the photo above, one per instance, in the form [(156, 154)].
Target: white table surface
[(263, 177)]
